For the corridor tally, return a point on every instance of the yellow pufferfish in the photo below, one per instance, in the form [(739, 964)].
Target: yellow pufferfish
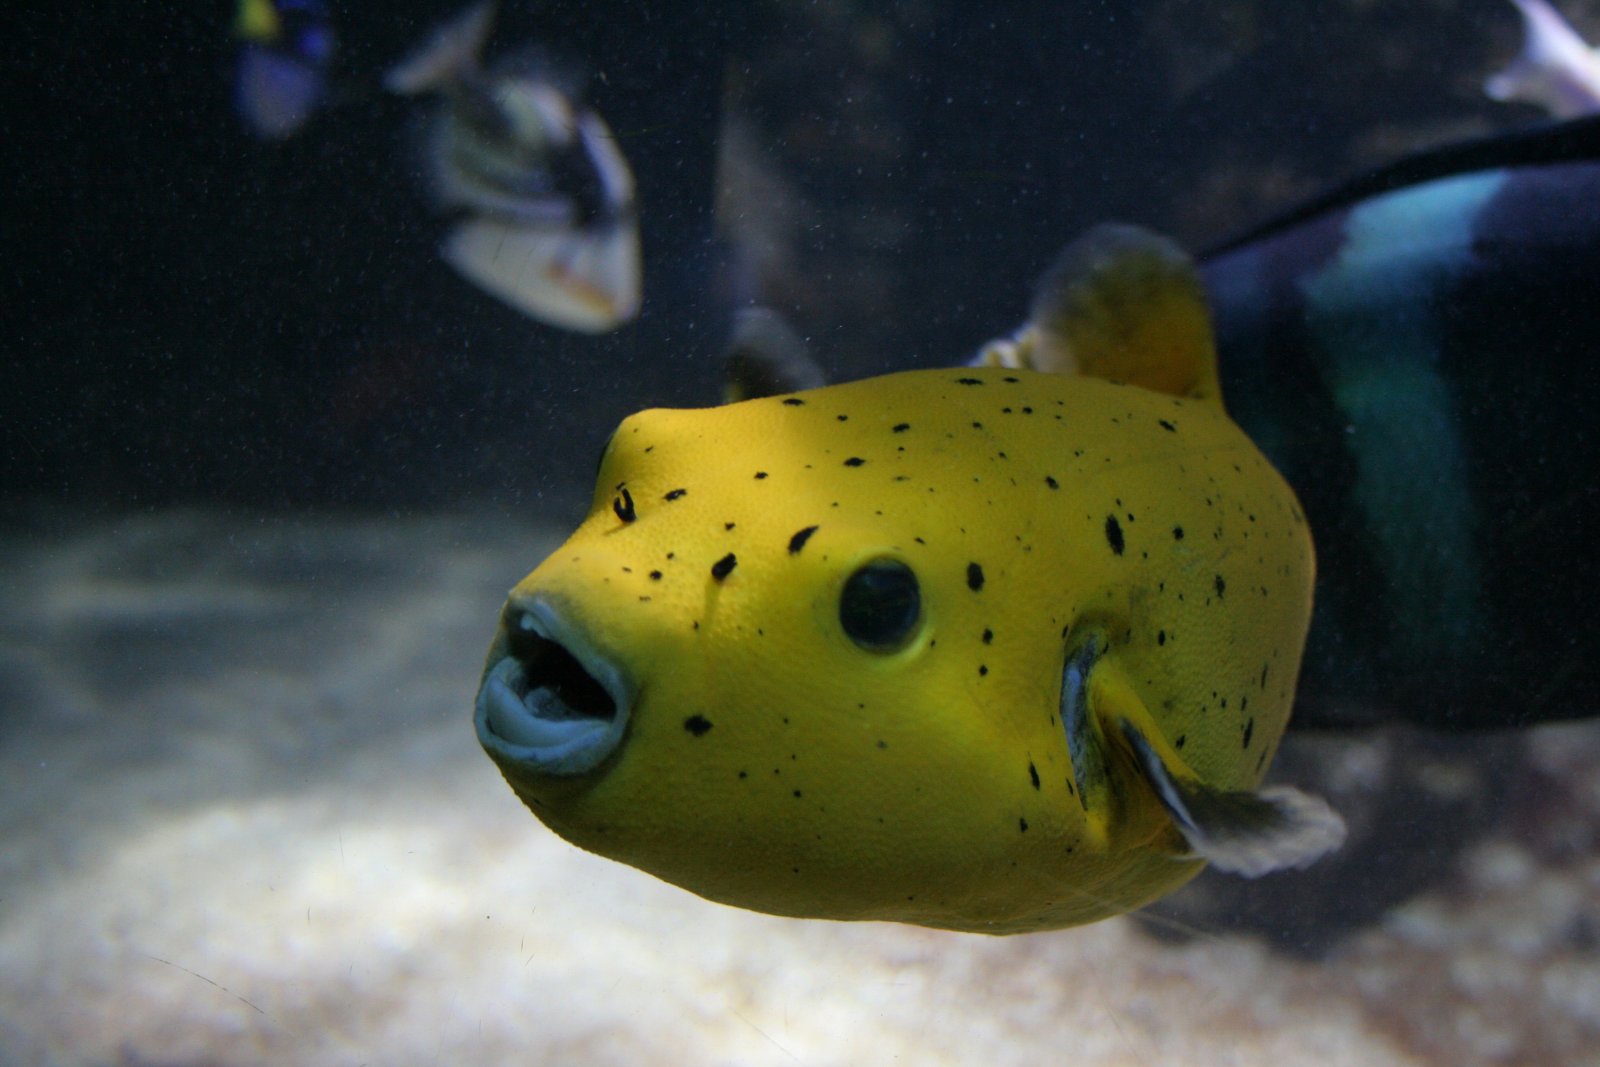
[(989, 648)]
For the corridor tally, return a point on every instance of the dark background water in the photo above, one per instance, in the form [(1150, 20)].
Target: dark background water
[(193, 315)]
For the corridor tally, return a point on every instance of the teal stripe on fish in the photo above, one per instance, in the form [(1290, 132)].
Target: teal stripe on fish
[(1384, 371)]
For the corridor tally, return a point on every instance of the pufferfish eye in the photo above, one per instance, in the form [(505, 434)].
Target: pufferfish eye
[(880, 605)]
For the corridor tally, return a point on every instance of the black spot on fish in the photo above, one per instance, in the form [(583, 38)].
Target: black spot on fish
[(675, 494), (698, 725), (1161, 637), (1167, 426), (623, 505), (1022, 825), (728, 525), (1033, 774), (900, 427), (1009, 378), (724, 566), (988, 635), (798, 541), (1177, 533), (974, 577), (1220, 585), (983, 670), (655, 576), (1114, 534), (854, 461), (1249, 731), (793, 401), (842, 418), (760, 475), (1051, 482), (969, 381)]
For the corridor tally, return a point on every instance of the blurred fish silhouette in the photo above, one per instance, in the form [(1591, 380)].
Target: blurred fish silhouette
[(542, 195), (1556, 69), (287, 48)]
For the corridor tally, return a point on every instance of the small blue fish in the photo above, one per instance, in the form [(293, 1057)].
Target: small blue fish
[(288, 46)]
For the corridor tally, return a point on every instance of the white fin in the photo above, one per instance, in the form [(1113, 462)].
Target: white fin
[(586, 280), (1245, 833), (453, 49), (1555, 70)]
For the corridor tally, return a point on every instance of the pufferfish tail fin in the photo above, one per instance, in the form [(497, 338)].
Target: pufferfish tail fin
[(1243, 832), (1120, 303)]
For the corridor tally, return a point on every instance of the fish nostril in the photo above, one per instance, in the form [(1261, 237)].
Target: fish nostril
[(517, 619)]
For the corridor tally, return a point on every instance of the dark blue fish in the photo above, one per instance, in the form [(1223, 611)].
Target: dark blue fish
[(1417, 352), (288, 46)]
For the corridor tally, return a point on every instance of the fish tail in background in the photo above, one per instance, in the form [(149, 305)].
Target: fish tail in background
[(1555, 70), (1415, 353)]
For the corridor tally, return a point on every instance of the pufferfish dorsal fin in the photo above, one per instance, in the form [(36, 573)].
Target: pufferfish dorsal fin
[(766, 357), (1244, 832), (1120, 303)]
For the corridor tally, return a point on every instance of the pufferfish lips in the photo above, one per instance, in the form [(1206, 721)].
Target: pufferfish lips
[(550, 701)]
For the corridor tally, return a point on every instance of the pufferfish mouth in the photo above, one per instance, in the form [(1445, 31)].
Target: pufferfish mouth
[(550, 701)]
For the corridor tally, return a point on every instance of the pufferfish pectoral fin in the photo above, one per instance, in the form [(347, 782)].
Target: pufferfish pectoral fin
[(1120, 303), (1246, 833)]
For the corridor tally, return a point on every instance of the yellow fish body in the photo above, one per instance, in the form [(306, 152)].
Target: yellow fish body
[(984, 649)]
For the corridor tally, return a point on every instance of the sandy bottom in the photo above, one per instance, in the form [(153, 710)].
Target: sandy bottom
[(245, 821)]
